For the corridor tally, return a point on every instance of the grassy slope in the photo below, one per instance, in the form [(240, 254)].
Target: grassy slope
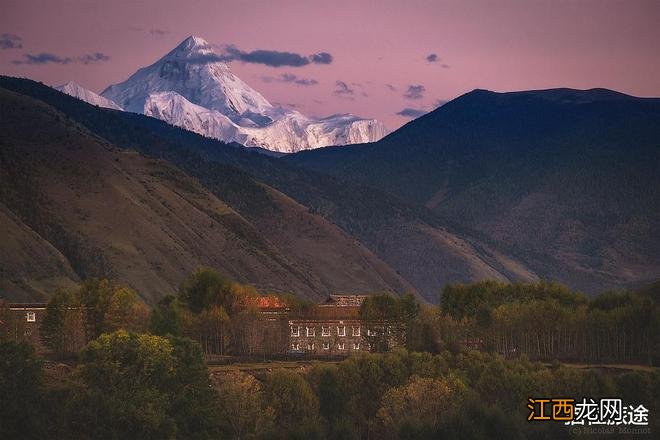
[(91, 209)]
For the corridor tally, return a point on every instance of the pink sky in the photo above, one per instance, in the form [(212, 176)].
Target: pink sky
[(496, 45)]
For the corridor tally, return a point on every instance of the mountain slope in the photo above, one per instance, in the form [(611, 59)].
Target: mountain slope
[(78, 91), (411, 241), (192, 88), (568, 180), (75, 207)]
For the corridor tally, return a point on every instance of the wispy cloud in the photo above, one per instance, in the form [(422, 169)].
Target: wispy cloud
[(390, 87), (411, 112), (343, 90), (10, 41), (432, 58), (415, 92), (51, 58), (290, 78), (96, 57), (321, 58), (155, 32)]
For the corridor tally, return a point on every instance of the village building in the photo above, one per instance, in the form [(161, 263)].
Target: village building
[(20, 322), (334, 328)]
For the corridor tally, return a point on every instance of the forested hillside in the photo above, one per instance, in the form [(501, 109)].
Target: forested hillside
[(567, 180)]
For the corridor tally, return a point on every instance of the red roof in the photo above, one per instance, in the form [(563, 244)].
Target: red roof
[(270, 302)]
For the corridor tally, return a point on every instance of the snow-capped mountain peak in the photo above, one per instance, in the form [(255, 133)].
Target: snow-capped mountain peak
[(77, 91), (191, 47), (192, 86)]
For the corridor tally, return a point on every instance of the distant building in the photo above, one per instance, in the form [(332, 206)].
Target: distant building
[(21, 321), (334, 328)]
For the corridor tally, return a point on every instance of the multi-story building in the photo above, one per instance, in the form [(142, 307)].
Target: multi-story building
[(334, 328)]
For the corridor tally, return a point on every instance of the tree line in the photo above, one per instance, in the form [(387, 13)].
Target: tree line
[(141, 374), (138, 385), (547, 321)]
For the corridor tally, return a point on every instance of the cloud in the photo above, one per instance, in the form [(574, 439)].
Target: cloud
[(415, 92), (159, 32), (440, 103), (411, 112), (291, 78), (290, 105), (50, 58), (43, 58), (96, 57), (343, 90), (390, 87), (321, 58), (272, 58), (10, 41), (432, 58)]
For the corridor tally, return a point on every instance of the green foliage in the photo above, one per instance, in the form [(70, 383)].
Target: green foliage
[(95, 296), (74, 317), (242, 409), (295, 406), (166, 318), (466, 300), (21, 392), (204, 288), (141, 386)]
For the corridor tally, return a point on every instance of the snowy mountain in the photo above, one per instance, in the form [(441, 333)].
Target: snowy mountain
[(78, 91), (192, 88)]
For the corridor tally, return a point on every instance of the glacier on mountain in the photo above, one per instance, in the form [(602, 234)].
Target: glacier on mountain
[(193, 88)]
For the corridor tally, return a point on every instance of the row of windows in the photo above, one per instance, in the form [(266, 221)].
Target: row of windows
[(326, 346), (326, 331)]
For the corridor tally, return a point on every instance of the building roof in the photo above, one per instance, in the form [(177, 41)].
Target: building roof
[(26, 305), (270, 302), (344, 300)]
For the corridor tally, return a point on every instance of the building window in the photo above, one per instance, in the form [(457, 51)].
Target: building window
[(31, 317), (325, 331), (28, 332), (340, 346), (326, 346), (295, 347), (341, 331), (295, 330), (356, 346), (368, 347), (311, 331), (310, 347), (356, 331), (371, 332)]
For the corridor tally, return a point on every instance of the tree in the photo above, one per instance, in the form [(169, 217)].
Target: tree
[(294, 404), (62, 328), (94, 296), (422, 400), (21, 392), (167, 317), (211, 326), (141, 386), (125, 312), (204, 288), (241, 406)]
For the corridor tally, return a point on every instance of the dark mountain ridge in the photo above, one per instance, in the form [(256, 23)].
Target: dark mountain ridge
[(567, 180)]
